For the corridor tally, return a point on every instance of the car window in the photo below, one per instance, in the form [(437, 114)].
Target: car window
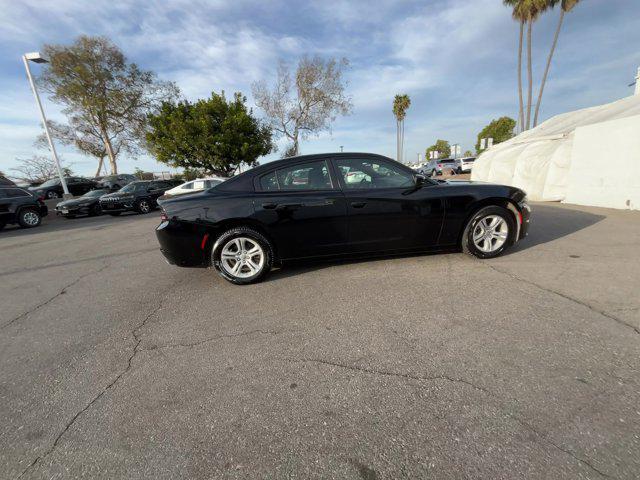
[(304, 176), (187, 186), (198, 184), (367, 173), (212, 183), (15, 192)]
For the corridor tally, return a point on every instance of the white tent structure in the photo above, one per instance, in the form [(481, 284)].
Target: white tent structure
[(586, 157)]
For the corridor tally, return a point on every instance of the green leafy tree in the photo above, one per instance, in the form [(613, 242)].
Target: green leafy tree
[(401, 104), (442, 147), (106, 98), (500, 130), (467, 153), (212, 135)]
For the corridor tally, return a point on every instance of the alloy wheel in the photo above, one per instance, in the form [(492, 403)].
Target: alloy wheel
[(31, 218), (490, 233), (242, 257), (145, 207), (52, 194)]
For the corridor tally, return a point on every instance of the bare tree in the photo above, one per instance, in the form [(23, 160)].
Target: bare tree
[(37, 169), (83, 135), (307, 104)]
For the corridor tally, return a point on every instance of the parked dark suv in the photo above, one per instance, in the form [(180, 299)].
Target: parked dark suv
[(139, 196), (115, 182), (17, 205), (52, 188)]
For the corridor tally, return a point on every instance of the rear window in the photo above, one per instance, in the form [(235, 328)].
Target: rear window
[(15, 192)]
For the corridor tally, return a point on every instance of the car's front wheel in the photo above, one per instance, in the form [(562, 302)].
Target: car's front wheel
[(52, 194), (29, 218), (489, 232), (242, 255)]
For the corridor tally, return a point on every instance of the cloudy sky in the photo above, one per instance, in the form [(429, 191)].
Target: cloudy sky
[(455, 58)]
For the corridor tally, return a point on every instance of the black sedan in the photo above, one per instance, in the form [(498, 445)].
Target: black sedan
[(53, 188), (87, 204), (335, 205)]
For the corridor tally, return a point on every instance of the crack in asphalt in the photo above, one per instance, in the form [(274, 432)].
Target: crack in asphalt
[(217, 337), (566, 297), (61, 292), (555, 445), (75, 262), (395, 374), (521, 422), (138, 340)]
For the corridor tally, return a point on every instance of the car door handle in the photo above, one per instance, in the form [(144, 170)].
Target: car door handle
[(280, 206), (288, 206), (358, 204)]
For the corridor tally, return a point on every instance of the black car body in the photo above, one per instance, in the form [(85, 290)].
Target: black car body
[(335, 205), (87, 204), (52, 188), (5, 182), (140, 196), (18, 205), (115, 182)]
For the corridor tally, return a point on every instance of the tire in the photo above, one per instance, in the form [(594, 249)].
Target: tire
[(95, 210), (115, 214), (242, 239), (459, 171), (143, 206), (51, 194), (489, 243), (29, 218)]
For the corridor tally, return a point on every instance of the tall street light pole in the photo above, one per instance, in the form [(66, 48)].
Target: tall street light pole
[(37, 58)]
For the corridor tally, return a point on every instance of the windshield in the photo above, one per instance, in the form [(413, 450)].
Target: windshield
[(132, 187), (95, 193), (51, 183)]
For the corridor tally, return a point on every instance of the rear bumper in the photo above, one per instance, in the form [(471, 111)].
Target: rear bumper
[(182, 245)]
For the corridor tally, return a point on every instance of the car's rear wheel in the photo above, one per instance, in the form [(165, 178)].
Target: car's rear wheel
[(95, 210), (242, 255), (143, 206), (29, 218), (489, 232), (52, 194)]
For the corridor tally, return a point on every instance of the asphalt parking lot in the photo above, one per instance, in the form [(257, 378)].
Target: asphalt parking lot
[(117, 365)]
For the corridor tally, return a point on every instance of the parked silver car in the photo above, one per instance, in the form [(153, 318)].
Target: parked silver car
[(435, 167)]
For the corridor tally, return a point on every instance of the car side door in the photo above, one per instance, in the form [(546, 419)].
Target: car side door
[(303, 209), (387, 211), (6, 212)]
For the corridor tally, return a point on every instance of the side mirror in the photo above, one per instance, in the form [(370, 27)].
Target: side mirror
[(420, 179)]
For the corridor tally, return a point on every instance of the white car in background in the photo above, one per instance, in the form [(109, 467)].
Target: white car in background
[(197, 185)]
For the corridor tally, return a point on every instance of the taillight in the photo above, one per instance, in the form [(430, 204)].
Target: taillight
[(163, 216)]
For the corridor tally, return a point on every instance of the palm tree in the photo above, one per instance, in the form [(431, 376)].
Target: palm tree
[(401, 104), (527, 12), (566, 6), (514, 3)]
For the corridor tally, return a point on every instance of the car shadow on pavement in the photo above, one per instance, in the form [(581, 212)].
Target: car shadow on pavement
[(550, 222)]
